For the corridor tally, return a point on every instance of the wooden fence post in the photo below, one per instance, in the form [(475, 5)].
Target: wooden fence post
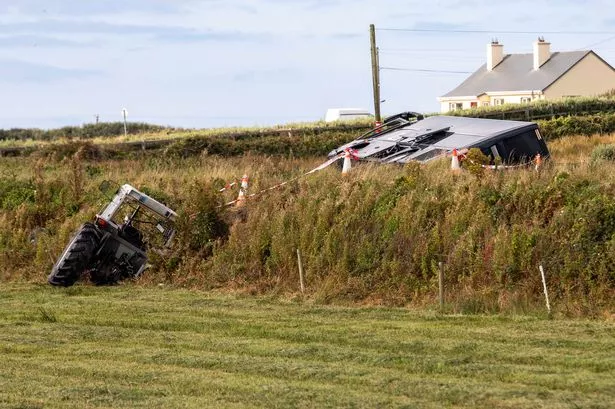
[(300, 271), (441, 284), (544, 286)]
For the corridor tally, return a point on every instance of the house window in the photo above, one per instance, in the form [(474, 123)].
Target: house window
[(526, 100), (498, 101), (473, 104), (485, 103), (454, 106)]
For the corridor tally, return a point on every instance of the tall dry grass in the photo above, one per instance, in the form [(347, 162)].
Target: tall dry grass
[(374, 237)]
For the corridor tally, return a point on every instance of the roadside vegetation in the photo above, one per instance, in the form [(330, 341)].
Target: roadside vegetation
[(109, 133), (542, 109), (134, 347), (557, 119), (375, 237), (85, 131)]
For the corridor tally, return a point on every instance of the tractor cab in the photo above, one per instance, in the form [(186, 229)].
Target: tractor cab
[(115, 246)]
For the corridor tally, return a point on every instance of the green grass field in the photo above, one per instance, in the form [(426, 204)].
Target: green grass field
[(157, 347)]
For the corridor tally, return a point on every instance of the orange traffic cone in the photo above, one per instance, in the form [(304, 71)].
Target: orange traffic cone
[(455, 167), (243, 189), (347, 165), (537, 162), (377, 126)]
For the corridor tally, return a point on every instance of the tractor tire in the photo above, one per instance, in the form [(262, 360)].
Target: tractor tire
[(76, 256)]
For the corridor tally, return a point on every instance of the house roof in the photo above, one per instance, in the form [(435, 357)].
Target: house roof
[(516, 73)]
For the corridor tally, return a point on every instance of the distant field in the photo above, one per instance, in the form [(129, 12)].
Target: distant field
[(129, 347), (355, 127)]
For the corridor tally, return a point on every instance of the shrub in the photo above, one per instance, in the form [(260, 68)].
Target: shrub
[(297, 146), (14, 192), (603, 152), (475, 162)]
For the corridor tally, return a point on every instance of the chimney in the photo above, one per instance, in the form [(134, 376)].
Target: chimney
[(542, 52), (495, 54)]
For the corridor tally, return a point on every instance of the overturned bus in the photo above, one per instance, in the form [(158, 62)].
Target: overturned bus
[(410, 137)]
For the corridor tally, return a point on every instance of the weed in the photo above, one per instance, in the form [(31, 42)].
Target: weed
[(47, 316)]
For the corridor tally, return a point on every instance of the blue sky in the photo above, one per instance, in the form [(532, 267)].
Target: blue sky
[(211, 63)]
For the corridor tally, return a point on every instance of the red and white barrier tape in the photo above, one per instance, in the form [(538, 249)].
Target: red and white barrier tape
[(316, 169), (495, 167), (228, 186), (352, 153)]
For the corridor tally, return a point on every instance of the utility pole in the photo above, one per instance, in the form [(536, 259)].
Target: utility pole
[(375, 73), (97, 117)]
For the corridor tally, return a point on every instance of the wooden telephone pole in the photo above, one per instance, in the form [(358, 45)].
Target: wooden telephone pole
[(375, 72)]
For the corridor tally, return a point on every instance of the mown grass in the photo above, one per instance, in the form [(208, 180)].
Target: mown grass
[(158, 347)]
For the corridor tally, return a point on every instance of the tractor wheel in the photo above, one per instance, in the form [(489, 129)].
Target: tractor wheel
[(76, 256)]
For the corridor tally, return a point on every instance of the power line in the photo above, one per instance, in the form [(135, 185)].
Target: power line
[(424, 70), (439, 57), (429, 30), (598, 43), (425, 50)]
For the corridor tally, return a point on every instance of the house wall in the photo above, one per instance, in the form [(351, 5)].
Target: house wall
[(465, 103), (509, 98), (512, 97), (590, 76), (445, 107)]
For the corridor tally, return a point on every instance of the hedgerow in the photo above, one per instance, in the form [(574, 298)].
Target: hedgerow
[(542, 109), (86, 131)]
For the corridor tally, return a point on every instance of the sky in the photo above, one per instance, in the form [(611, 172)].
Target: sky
[(225, 63)]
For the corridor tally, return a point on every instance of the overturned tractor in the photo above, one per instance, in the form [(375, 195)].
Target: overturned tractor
[(114, 247)]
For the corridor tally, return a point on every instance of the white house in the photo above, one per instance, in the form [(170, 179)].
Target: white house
[(523, 78)]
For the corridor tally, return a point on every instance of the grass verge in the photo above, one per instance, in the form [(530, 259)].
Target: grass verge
[(129, 347)]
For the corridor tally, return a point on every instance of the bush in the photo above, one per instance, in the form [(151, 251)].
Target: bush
[(297, 146), (14, 192), (604, 152), (577, 125), (475, 162)]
